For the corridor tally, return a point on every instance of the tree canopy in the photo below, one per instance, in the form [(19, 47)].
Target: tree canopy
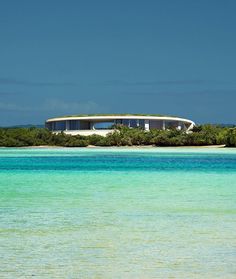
[(122, 136)]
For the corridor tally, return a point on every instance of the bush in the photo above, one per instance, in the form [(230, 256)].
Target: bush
[(94, 139), (230, 138), (73, 142), (122, 136)]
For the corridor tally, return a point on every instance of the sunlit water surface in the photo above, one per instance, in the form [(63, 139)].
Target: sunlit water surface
[(118, 213)]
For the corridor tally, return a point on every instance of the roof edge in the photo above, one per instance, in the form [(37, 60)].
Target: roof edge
[(115, 116)]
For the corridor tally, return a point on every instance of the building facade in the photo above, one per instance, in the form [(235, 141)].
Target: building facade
[(103, 124)]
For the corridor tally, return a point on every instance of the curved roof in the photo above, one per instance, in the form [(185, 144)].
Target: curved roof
[(118, 116), (114, 114)]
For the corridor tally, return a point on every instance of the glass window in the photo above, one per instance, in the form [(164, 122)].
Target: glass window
[(84, 125), (118, 121), (156, 124), (49, 126), (133, 123), (103, 125), (125, 122), (141, 123), (59, 125), (74, 125), (171, 124)]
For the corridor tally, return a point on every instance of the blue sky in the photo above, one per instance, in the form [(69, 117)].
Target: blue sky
[(127, 56)]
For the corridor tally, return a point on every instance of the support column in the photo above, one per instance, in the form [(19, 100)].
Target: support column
[(146, 125), (190, 127), (164, 125), (179, 127), (92, 126), (67, 125)]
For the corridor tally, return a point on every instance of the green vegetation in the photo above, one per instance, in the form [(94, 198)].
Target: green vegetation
[(122, 136), (114, 114)]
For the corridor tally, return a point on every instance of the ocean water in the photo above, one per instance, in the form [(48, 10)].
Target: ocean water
[(117, 213)]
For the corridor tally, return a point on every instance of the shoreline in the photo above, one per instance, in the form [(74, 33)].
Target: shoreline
[(118, 147)]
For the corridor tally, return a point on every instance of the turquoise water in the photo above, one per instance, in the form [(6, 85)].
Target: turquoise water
[(118, 213)]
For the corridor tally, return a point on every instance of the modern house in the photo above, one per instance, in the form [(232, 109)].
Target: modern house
[(102, 124)]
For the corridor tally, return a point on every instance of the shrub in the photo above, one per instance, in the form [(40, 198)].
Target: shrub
[(201, 135), (230, 139)]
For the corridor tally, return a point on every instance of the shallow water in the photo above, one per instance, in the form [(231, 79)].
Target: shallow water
[(118, 213)]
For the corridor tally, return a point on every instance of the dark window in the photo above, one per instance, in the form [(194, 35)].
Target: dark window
[(49, 126), (125, 122), (74, 125), (84, 125), (133, 123), (171, 124), (141, 123), (156, 124), (59, 125), (118, 121)]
